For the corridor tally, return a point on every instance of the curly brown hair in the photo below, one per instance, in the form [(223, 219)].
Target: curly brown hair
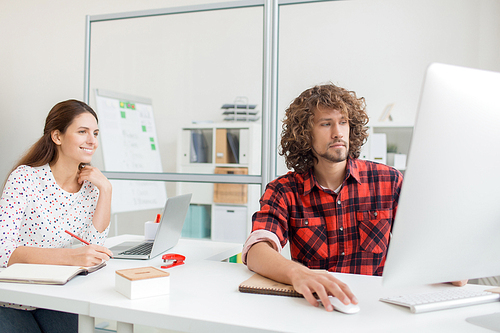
[(296, 134)]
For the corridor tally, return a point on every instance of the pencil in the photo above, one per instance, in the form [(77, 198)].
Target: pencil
[(73, 235)]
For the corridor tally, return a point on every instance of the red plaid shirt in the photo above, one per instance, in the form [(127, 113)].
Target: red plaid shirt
[(346, 232)]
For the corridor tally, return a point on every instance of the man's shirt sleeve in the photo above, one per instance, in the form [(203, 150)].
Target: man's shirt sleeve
[(258, 236), (270, 223)]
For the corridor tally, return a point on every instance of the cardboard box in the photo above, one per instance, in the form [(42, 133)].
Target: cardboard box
[(142, 282), (231, 193)]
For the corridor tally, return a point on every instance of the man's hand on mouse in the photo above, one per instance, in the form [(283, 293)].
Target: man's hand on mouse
[(307, 282)]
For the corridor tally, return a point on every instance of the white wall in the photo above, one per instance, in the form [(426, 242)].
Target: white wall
[(380, 49)]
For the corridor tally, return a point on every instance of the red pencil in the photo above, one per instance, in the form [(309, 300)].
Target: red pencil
[(73, 235)]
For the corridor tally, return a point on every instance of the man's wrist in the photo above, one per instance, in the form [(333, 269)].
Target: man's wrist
[(295, 270)]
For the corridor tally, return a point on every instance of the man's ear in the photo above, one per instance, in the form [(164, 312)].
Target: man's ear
[(56, 137)]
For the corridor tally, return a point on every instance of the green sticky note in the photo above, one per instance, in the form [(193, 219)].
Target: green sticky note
[(152, 139), (123, 114), (143, 128), (153, 147)]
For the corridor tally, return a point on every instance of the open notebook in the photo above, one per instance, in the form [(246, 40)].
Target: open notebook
[(44, 274)]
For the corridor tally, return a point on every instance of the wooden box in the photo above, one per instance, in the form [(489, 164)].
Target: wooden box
[(231, 193), (142, 282)]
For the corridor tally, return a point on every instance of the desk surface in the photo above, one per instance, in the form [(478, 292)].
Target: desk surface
[(77, 295), (204, 297)]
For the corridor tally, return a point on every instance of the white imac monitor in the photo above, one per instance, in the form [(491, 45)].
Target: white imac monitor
[(447, 227)]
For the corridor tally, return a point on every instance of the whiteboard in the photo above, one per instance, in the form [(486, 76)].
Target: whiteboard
[(129, 143)]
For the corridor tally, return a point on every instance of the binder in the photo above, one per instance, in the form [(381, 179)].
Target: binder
[(234, 146), (221, 147), (198, 147), (244, 145)]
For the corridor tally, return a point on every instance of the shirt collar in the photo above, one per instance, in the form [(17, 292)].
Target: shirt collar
[(352, 170)]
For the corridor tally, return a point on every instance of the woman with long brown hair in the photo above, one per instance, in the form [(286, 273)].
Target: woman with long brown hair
[(53, 189)]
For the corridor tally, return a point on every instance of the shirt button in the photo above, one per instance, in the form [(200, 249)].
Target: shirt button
[(342, 254), (306, 222), (338, 202), (341, 228), (375, 214)]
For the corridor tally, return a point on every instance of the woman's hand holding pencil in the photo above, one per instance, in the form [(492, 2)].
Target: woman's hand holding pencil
[(91, 254)]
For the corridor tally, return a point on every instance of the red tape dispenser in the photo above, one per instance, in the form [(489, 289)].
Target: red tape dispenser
[(172, 260)]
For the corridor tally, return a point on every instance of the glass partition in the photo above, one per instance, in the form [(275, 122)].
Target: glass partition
[(202, 71), (179, 93)]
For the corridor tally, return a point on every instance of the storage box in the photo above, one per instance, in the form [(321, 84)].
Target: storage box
[(231, 193), (229, 224), (142, 282), (197, 224)]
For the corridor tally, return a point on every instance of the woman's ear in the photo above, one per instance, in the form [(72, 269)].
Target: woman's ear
[(56, 137)]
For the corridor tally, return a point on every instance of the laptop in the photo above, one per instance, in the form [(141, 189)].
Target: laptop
[(167, 235)]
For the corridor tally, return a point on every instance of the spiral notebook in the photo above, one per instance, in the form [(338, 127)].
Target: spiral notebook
[(257, 284)]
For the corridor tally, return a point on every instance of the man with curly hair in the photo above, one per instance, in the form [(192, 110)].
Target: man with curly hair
[(335, 209)]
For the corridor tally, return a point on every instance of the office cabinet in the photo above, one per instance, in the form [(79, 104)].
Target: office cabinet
[(221, 148)]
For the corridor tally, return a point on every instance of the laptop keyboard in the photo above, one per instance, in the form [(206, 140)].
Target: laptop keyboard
[(440, 300), (141, 249)]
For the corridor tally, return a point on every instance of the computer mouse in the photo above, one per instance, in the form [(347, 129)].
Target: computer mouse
[(341, 307)]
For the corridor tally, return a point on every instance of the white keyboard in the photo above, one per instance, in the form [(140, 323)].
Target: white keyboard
[(441, 300)]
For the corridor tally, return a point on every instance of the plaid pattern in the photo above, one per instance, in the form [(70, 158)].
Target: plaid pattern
[(346, 232)]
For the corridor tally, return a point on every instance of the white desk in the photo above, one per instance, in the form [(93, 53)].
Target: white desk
[(78, 295), (204, 297)]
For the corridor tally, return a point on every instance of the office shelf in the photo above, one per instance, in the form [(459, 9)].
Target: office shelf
[(222, 148), (398, 138)]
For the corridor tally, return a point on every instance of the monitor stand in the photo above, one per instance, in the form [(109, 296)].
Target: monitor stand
[(489, 321)]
